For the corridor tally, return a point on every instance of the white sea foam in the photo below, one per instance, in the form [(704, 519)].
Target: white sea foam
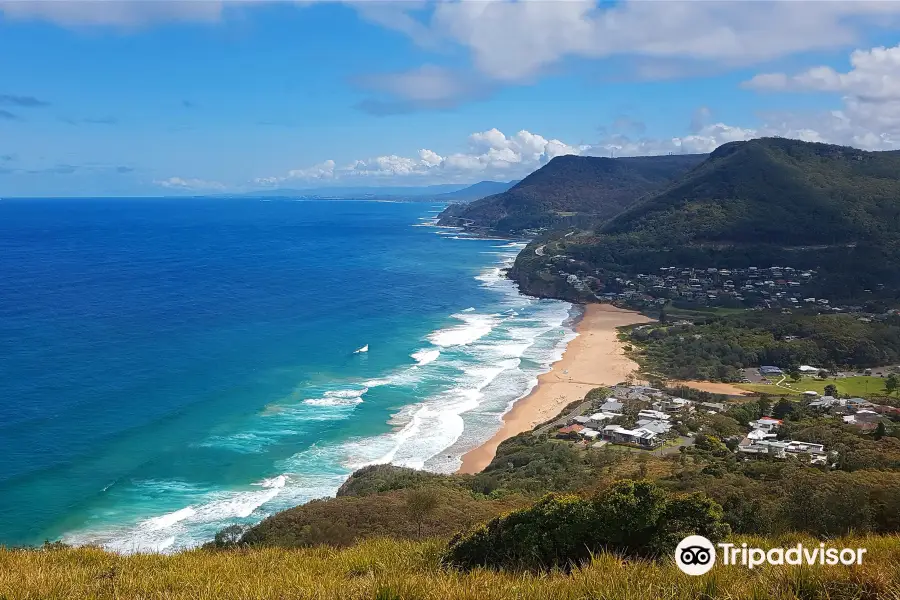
[(474, 327), (173, 530), (423, 357), (338, 398), (157, 523)]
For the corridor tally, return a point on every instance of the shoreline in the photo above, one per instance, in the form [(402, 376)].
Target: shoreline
[(593, 358)]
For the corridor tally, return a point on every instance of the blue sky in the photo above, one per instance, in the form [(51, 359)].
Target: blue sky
[(128, 98)]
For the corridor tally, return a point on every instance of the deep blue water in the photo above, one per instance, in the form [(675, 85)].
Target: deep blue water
[(169, 367)]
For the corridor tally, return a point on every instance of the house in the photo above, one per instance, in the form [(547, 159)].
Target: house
[(766, 424), (640, 436), (865, 416), (672, 404), (653, 415), (570, 429), (580, 420), (825, 402), (770, 370), (597, 419), (783, 449), (590, 434), (659, 427), (713, 406), (759, 434), (612, 406), (809, 369)]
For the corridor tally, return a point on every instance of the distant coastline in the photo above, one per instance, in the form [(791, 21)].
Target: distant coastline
[(594, 358)]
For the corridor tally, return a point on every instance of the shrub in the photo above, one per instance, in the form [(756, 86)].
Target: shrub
[(636, 519)]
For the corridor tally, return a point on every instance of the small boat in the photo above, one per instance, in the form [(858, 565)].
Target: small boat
[(363, 349)]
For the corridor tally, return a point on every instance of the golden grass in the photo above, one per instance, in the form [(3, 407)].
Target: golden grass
[(392, 570)]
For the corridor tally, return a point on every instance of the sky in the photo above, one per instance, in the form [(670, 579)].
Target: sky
[(150, 97)]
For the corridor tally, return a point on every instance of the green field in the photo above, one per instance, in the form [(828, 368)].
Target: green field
[(847, 386)]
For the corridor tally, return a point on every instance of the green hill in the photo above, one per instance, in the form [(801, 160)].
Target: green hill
[(571, 189), (764, 202)]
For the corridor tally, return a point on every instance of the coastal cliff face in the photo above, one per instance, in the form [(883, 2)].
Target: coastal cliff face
[(533, 281)]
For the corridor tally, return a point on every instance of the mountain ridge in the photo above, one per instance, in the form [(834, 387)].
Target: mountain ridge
[(771, 201), (570, 189)]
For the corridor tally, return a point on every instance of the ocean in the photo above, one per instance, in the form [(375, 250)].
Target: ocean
[(173, 366)]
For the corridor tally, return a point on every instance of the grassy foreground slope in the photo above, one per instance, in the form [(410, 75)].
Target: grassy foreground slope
[(571, 189), (394, 570)]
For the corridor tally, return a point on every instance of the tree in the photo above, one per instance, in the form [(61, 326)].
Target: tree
[(634, 518), (765, 405), (880, 431), (228, 537), (795, 374), (891, 383), (420, 503), (782, 408), (831, 390)]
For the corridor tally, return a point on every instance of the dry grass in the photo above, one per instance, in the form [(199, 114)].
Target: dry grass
[(393, 570)]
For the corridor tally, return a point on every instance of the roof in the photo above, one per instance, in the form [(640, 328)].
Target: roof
[(602, 416), (612, 405), (571, 429)]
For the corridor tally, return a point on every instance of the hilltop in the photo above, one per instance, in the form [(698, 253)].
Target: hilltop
[(770, 201), (571, 189)]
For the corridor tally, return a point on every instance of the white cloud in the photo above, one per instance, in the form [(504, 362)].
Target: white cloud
[(875, 75), (870, 91), (178, 183), (494, 155), (514, 40), (490, 153)]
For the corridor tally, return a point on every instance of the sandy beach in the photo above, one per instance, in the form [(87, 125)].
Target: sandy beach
[(593, 358)]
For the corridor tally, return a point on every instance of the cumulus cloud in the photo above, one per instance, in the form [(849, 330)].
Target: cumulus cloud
[(178, 183), (490, 154), (514, 40), (875, 75), (870, 92)]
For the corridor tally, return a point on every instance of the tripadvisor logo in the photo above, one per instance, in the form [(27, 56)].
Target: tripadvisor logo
[(696, 555)]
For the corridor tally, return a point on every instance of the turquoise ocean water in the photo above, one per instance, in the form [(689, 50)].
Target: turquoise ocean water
[(170, 367)]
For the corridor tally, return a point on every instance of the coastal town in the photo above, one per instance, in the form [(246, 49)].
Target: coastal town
[(646, 418), (772, 287)]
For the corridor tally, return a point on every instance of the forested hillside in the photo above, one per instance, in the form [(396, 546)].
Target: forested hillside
[(571, 189), (765, 202)]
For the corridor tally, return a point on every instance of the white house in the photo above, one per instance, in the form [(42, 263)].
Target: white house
[(653, 415), (597, 419), (767, 424)]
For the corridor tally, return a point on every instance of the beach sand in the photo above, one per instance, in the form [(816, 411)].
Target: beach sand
[(592, 359)]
